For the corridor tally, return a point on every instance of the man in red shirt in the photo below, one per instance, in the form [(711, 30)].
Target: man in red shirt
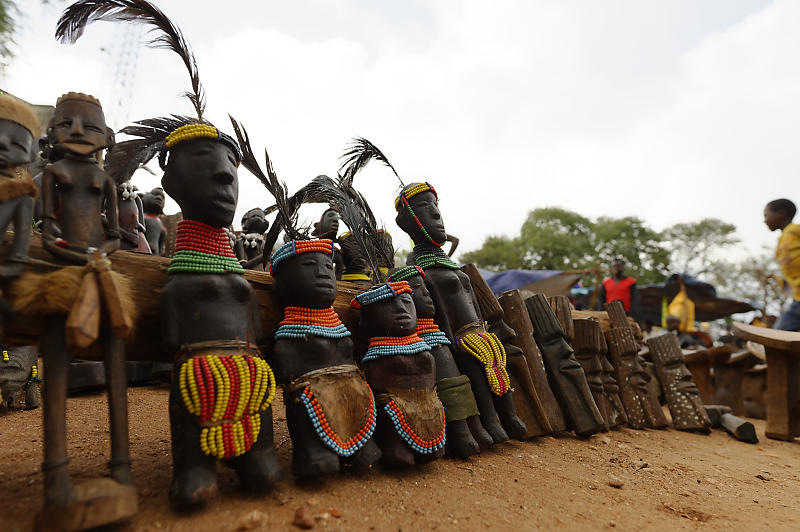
[(620, 287)]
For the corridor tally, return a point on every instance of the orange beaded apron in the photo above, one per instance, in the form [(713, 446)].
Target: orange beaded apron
[(340, 406), (418, 418)]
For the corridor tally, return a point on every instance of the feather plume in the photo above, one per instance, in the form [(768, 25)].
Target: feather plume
[(358, 155), (80, 14)]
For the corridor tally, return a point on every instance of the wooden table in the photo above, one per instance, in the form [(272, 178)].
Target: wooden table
[(783, 378)]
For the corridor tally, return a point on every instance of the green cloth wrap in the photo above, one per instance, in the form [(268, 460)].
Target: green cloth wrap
[(455, 394)]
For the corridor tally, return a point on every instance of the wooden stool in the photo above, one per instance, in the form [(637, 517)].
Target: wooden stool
[(783, 378), (699, 363)]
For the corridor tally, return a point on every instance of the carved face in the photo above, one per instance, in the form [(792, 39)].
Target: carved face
[(426, 208), (423, 302), (328, 224), (638, 378), (609, 382), (394, 316), (306, 280), (255, 221), (80, 127), (676, 378), (590, 362), (153, 201), (15, 146), (202, 177)]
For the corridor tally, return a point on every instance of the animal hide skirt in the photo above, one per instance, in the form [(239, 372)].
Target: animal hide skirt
[(417, 416), (340, 406)]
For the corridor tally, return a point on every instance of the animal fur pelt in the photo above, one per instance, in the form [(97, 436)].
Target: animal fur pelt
[(41, 294), (21, 185)]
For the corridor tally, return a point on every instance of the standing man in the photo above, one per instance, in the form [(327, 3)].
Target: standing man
[(778, 214), (620, 287)]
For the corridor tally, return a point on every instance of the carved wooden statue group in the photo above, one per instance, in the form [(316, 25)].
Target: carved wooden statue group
[(441, 364)]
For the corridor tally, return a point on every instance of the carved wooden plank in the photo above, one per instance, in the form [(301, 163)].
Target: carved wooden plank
[(150, 274)]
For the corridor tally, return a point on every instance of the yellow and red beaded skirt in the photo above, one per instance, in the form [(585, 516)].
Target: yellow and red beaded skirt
[(227, 390), (474, 340)]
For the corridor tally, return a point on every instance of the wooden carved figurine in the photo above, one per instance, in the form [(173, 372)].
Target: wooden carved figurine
[(249, 247), (616, 412), (452, 387), (221, 390), (531, 377), (328, 227), (74, 190), (400, 369), (641, 407), (18, 129), (156, 233), (330, 409), (492, 312), (479, 354), (566, 375), (683, 397), (587, 347), (356, 269), (131, 219)]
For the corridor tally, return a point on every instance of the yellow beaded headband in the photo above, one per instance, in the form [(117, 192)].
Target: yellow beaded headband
[(412, 191), (197, 131)]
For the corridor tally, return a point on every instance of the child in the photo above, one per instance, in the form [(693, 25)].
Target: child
[(778, 214)]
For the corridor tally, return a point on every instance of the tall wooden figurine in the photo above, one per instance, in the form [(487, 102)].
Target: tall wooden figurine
[(327, 228), (400, 369), (91, 305), (452, 387), (221, 391), (131, 219)]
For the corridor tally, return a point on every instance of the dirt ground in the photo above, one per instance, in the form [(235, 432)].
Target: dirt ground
[(669, 480)]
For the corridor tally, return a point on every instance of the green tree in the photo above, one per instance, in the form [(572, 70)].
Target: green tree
[(8, 25), (558, 239), (756, 279), (693, 245)]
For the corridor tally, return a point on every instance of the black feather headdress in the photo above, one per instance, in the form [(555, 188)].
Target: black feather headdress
[(358, 155), (151, 134), (79, 15)]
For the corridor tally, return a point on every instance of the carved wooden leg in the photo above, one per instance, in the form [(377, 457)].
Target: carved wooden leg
[(258, 469), (194, 473), (783, 395), (365, 457), (310, 457), (473, 369), (114, 351), (396, 452), (58, 490), (514, 426)]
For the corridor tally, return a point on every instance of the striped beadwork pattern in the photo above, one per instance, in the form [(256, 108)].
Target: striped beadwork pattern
[(379, 293), (383, 346), (201, 248), (490, 352), (227, 394), (409, 436), (300, 322), (427, 257), (430, 332), (296, 247), (406, 272), (326, 432)]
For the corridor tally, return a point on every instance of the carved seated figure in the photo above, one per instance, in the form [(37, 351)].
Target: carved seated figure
[(452, 387), (153, 205), (249, 247), (330, 410), (400, 369), (222, 388), (131, 219), (478, 353)]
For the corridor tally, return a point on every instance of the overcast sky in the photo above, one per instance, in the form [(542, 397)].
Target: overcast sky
[(671, 111)]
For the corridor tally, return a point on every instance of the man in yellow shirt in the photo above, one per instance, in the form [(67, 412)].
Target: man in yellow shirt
[(778, 214)]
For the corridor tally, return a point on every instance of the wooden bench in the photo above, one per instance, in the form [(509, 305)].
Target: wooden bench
[(783, 378)]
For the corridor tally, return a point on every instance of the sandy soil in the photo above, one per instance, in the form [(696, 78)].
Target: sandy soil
[(669, 480)]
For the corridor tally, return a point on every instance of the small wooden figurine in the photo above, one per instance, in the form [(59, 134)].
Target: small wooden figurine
[(400, 369), (249, 246), (683, 397), (153, 205), (131, 219), (567, 378), (616, 412), (586, 344), (452, 387), (328, 227)]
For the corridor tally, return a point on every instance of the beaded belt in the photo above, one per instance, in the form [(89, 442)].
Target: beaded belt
[(199, 349)]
